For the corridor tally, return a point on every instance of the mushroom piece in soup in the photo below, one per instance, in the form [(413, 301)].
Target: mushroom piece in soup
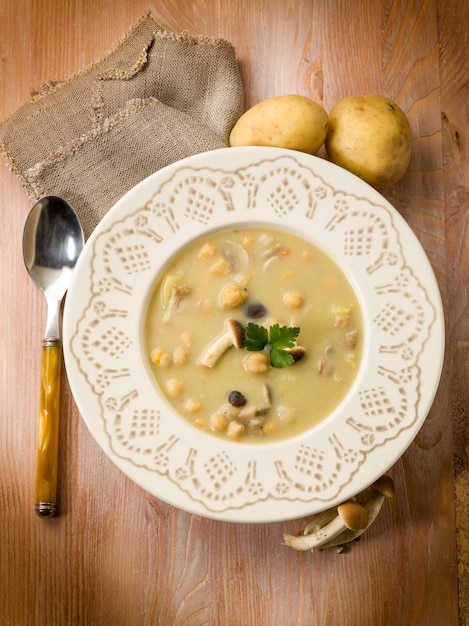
[(254, 334)]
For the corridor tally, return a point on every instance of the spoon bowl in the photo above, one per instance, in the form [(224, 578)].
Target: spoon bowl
[(52, 242)]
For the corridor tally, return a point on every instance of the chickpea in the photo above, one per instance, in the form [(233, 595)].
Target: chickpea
[(180, 355), (220, 267), (207, 251), (161, 358), (174, 387), (269, 428), (235, 430), (192, 405), (218, 423), (232, 296), (293, 299), (256, 363)]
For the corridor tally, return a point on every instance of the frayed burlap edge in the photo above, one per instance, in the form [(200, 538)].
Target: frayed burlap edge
[(53, 85)]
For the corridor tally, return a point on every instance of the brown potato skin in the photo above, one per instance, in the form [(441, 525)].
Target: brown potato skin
[(290, 121), (370, 136)]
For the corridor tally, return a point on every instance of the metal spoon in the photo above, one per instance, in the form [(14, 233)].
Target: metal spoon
[(52, 242)]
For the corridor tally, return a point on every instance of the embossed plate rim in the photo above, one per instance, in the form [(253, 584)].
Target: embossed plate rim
[(269, 504)]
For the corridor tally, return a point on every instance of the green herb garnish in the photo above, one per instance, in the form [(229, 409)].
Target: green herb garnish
[(277, 337)]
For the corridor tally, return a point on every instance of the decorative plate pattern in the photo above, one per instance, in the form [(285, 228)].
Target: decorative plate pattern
[(111, 380)]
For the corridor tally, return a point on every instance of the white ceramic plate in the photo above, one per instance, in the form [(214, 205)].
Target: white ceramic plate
[(111, 380)]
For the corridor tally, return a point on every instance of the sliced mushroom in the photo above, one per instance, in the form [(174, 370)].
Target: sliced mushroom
[(351, 515), (267, 395), (178, 293), (351, 338), (237, 333), (234, 335), (170, 281), (297, 352), (343, 316), (275, 251), (249, 413), (237, 256)]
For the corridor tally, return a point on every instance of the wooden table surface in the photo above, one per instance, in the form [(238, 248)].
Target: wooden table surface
[(115, 555)]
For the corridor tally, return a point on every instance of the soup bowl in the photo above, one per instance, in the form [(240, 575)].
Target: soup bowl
[(107, 352)]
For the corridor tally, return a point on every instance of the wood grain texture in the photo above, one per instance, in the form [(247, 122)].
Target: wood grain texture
[(116, 555)]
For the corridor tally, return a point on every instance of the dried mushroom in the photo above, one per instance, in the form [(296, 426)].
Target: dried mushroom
[(233, 336), (338, 526)]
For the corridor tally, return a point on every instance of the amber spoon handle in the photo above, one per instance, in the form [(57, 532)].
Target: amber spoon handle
[(52, 242), (49, 408)]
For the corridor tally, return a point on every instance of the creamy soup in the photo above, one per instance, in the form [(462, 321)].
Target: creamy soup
[(230, 287)]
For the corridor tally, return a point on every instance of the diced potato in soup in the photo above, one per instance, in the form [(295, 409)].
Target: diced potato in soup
[(230, 282)]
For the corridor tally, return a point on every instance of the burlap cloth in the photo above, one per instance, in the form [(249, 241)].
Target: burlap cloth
[(155, 98)]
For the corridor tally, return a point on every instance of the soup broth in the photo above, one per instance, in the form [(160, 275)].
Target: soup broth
[(234, 284)]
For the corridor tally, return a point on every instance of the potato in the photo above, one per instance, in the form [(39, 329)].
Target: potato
[(292, 121), (369, 136)]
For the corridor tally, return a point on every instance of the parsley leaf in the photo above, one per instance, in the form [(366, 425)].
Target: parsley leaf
[(256, 337), (280, 358), (277, 337), (283, 336)]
